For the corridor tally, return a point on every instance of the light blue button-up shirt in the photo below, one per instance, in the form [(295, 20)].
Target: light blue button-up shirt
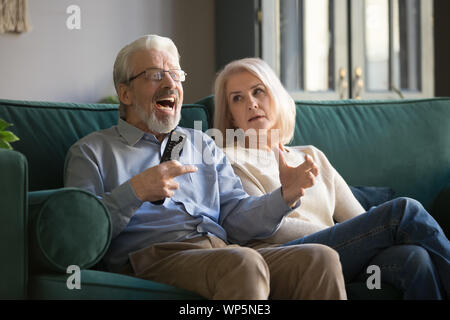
[(209, 201)]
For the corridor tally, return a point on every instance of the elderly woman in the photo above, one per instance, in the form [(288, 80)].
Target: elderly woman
[(399, 236)]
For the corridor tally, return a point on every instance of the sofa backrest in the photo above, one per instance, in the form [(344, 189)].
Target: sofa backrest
[(48, 129), (402, 144)]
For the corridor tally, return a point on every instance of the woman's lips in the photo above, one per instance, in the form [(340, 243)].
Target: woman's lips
[(256, 118)]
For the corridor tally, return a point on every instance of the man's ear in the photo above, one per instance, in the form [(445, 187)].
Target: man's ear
[(124, 93)]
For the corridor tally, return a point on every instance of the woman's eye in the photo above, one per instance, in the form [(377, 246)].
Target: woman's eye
[(258, 91), (236, 98)]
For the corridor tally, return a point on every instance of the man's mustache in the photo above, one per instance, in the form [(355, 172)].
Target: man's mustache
[(166, 92)]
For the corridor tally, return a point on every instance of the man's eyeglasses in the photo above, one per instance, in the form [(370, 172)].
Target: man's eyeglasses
[(156, 74)]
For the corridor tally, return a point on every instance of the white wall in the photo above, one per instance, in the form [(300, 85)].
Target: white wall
[(53, 63)]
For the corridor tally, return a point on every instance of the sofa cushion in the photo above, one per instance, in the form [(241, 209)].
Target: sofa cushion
[(372, 196), (441, 210), (100, 285), (68, 226)]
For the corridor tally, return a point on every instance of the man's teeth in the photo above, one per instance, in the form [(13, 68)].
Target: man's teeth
[(166, 103), (168, 99), (161, 106)]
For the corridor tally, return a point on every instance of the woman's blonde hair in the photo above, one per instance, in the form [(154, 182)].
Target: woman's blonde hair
[(282, 103)]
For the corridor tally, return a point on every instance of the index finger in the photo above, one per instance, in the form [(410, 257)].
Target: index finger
[(279, 156), (309, 163), (178, 170)]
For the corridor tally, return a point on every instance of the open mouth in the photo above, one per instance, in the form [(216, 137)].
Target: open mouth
[(166, 104)]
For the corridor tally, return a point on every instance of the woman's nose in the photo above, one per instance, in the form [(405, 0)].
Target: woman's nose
[(252, 104)]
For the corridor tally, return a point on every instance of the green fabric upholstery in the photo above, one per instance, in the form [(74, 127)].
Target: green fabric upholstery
[(441, 210), (13, 225), (194, 116), (104, 285), (208, 103), (47, 130), (68, 227)]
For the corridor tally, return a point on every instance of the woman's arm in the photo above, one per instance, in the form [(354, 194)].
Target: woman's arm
[(291, 228)]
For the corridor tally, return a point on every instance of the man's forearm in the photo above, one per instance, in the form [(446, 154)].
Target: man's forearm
[(256, 217), (122, 203)]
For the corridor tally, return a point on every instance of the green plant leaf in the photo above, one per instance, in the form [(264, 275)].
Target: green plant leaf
[(5, 145), (4, 124), (110, 99), (8, 136)]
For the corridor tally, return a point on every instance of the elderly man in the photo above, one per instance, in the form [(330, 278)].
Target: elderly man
[(173, 221)]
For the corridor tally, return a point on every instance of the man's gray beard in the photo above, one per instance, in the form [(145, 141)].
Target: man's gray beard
[(156, 125)]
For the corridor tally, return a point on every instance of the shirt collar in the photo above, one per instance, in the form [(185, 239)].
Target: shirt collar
[(129, 132), (133, 134)]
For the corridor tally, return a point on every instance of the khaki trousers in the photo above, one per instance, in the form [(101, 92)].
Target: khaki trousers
[(208, 266)]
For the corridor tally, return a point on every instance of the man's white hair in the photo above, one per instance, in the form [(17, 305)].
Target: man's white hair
[(123, 70)]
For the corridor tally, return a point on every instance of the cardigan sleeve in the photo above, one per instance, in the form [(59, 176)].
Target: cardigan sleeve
[(249, 185), (290, 229)]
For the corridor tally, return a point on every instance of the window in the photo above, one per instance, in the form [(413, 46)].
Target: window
[(338, 49)]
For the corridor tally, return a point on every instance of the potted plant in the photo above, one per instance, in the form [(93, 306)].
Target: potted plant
[(112, 99), (6, 137)]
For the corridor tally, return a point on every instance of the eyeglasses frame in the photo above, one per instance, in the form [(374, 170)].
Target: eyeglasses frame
[(168, 71)]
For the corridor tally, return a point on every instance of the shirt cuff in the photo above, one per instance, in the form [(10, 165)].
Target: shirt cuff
[(280, 203), (275, 210)]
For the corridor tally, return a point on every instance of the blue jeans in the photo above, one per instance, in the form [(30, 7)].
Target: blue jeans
[(400, 237)]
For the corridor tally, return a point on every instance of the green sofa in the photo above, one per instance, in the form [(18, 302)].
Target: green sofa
[(403, 145)]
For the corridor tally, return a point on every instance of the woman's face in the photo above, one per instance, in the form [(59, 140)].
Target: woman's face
[(249, 103)]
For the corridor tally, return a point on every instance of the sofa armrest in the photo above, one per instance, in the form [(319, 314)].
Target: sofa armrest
[(13, 225), (441, 210)]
